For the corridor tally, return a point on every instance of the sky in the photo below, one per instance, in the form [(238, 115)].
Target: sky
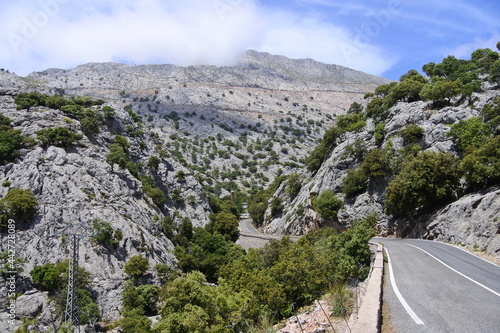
[(381, 37)]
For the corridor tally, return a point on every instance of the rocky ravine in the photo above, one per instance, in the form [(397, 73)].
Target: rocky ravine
[(216, 105), (473, 220)]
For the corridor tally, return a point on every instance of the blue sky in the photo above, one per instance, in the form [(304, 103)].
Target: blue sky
[(380, 37)]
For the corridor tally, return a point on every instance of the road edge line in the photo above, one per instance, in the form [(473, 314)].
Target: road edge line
[(395, 288)]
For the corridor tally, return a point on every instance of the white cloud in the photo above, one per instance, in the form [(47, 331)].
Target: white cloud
[(314, 38), (464, 51), (39, 34)]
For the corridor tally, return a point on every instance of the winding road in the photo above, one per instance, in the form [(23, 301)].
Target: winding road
[(436, 287)]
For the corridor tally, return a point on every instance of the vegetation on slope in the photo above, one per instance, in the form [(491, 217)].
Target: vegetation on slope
[(415, 181)]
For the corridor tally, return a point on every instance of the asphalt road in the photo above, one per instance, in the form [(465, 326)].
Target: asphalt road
[(246, 226), (436, 287)]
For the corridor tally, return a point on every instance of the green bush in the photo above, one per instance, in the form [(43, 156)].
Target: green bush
[(105, 235), (47, 277), (154, 162), (117, 155), (354, 183), (276, 206), (10, 143), (155, 194), (351, 122), (327, 205), (376, 164), (294, 184), (441, 90), (136, 266), (58, 136), (89, 125), (17, 204), (491, 115), (412, 133), (428, 179), (142, 298), (471, 132), (319, 153), (225, 224), (379, 133), (482, 165)]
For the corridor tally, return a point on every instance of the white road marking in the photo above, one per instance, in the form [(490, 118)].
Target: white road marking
[(412, 314), (465, 276)]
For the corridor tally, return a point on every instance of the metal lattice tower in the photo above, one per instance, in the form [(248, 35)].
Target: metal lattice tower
[(72, 314), (75, 232)]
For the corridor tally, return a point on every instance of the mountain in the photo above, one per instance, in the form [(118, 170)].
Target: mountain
[(422, 157), (126, 152)]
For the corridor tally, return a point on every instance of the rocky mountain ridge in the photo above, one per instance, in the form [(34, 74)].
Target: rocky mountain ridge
[(207, 127), (473, 220)]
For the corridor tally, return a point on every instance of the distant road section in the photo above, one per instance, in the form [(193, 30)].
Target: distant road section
[(436, 287), (252, 238)]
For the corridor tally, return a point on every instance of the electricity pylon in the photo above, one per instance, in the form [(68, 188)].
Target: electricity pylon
[(75, 233)]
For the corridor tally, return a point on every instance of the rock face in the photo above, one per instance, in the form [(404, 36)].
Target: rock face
[(210, 124), (473, 220)]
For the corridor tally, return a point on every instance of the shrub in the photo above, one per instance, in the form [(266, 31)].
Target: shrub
[(89, 125), (294, 184), (429, 178), (58, 136), (105, 235), (376, 164), (354, 183), (136, 266), (412, 133), (155, 194), (10, 143), (482, 165), (18, 204), (327, 205), (319, 153), (117, 155), (379, 133), (471, 132), (154, 162), (352, 122), (276, 206), (47, 277), (491, 115)]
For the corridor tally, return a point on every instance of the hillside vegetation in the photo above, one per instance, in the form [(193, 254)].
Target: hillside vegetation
[(144, 161), (409, 149)]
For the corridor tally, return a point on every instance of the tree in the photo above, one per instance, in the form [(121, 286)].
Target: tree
[(354, 183), (471, 132), (327, 205), (441, 90), (136, 266), (47, 276), (225, 224), (412, 133), (18, 204), (429, 178), (10, 143), (482, 165), (319, 153), (117, 155), (89, 125), (58, 136)]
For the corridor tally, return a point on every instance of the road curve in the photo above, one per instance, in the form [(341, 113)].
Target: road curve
[(436, 287)]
